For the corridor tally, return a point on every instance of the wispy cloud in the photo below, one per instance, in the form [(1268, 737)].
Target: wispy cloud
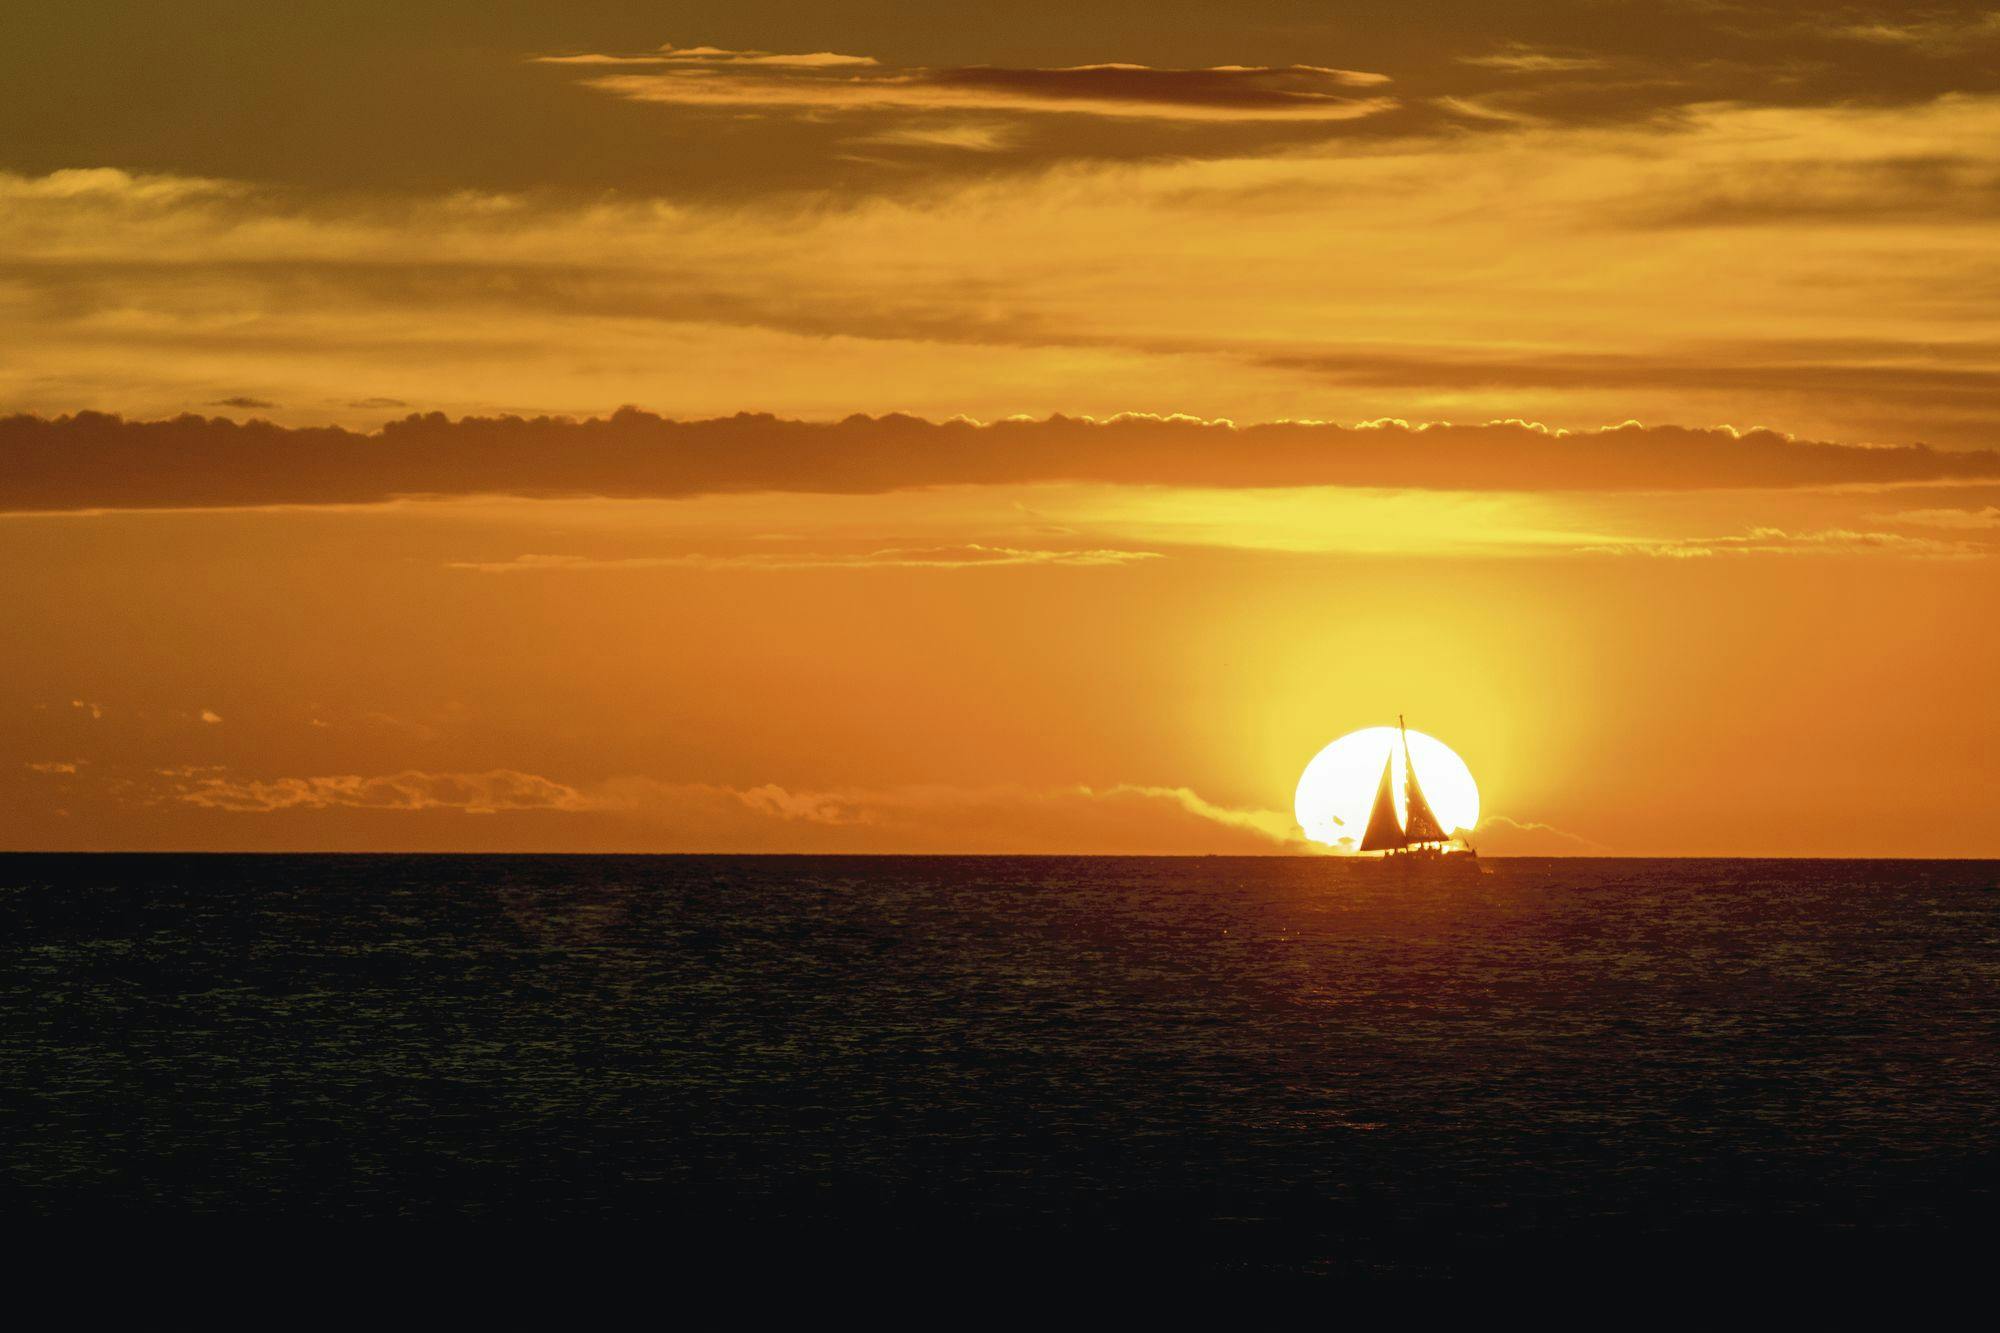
[(710, 816), (966, 136), (1968, 520), (1501, 836), (824, 82), (971, 556), (712, 57), (1515, 58), (1924, 30), (110, 185), (472, 793), (1280, 828), (1776, 541)]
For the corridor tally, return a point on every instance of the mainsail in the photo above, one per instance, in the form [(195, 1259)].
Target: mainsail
[(1384, 833), (1421, 824)]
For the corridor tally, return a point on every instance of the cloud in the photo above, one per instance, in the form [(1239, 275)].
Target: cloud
[(1119, 818), (209, 716), (1279, 828), (1776, 541), (350, 97), (109, 185), (1931, 32), (1744, 59), (710, 57), (1515, 58), (471, 793), (1498, 835), (94, 461), (769, 816), (54, 767), (1969, 520), (1974, 386), (967, 136), (243, 401), (820, 83), (1336, 283), (1949, 188), (95, 710), (809, 807), (969, 556)]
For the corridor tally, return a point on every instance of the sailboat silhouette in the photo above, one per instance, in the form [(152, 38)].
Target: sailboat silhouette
[(1418, 833)]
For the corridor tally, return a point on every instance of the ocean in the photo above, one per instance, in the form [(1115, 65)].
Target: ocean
[(1284, 1066)]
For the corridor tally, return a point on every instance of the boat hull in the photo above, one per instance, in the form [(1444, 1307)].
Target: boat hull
[(1456, 862)]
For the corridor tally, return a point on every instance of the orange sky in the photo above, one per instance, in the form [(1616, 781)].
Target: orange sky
[(1098, 361)]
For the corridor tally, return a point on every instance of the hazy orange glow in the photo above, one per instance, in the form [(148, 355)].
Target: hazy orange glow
[(1151, 397)]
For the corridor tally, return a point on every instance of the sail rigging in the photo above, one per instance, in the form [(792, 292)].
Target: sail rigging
[(1384, 832), (1420, 823), (1418, 830)]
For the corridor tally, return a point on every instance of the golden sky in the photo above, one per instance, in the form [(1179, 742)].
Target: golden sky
[(1050, 424)]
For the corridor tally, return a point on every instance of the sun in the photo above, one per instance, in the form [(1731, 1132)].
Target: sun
[(1339, 784)]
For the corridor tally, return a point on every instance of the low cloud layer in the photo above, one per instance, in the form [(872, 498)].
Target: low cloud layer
[(95, 461), (719, 817), (471, 793), (1501, 836)]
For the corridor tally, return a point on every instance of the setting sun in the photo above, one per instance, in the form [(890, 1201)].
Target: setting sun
[(1337, 786)]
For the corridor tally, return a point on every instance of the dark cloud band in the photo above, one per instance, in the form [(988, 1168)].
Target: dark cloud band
[(96, 461)]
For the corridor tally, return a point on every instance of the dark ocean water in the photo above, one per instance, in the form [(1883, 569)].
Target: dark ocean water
[(1283, 1065)]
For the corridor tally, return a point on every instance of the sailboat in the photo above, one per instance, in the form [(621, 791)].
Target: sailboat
[(1418, 835)]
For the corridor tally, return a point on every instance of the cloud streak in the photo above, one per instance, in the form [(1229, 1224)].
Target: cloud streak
[(968, 556), (1966, 520), (1777, 541), (469, 793), (1501, 836), (1518, 59), (715, 816), (819, 83), (93, 461)]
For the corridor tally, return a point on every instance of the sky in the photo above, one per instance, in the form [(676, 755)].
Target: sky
[(1039, 428)]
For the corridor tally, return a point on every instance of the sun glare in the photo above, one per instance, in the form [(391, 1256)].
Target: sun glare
[(1339, 785)]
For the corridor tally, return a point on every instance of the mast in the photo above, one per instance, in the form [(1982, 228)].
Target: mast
[(1384, 834), (1420, 824)]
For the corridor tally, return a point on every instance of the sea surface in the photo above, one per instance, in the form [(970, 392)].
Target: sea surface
[(1247, 1065)]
